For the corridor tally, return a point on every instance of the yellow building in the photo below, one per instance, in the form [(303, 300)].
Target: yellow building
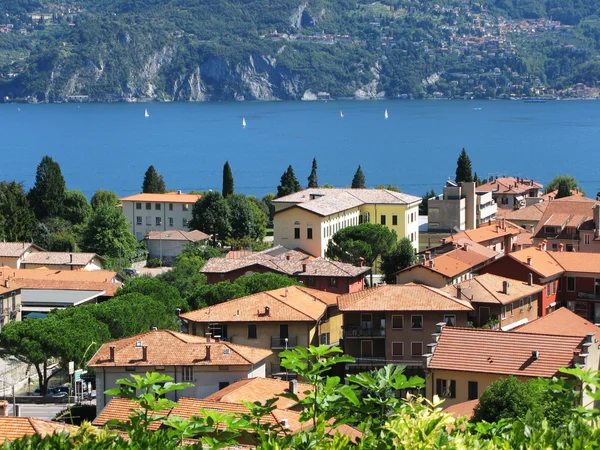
[(309, 218)]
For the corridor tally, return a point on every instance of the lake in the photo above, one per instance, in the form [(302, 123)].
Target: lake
[(110, 146)]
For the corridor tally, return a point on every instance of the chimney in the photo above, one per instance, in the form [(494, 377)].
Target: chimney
[(287, 256), (427, 255), (207, 352), (111, 349), (217, 338), (284, 423), (268, 310), (208, 335), (561, 247), (71, 258), (466, 247), (178, 192), (505, 285), (3, 408), (431, 263), (530, 279), (529, 261), (361, 261), (293, 387), (6, 283), (303, 267), (145, 353), (535, 355), (458, 292)]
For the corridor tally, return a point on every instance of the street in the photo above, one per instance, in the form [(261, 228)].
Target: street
[(45, 411)]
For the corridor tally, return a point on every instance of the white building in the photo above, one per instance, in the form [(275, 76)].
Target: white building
[(158, 212), (167, 245), (209, 364)]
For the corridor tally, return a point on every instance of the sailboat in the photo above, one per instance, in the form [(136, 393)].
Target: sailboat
[(385, 114), (146, 113), (341, 114), (243, 122)]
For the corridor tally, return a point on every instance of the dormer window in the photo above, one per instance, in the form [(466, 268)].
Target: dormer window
[(550, 230)]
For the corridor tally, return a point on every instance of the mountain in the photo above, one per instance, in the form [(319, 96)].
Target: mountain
[(194, 50)]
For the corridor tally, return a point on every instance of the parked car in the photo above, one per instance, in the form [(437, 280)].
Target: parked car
[(131, 272), (49, 391), (60, 394)]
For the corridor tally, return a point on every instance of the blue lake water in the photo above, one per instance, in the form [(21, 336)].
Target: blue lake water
[(110, 146)]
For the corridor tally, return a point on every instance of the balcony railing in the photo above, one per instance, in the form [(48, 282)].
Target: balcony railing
[(588, 296), (279, 342), (281, 372), (360, 332)]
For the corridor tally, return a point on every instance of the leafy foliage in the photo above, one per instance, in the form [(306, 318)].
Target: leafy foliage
[(401, 257), (211, 215), (101, 196), (153, 182), (424, 206), (288, 184), (564, 184), (366, 242), (17, 220), (77, 210), (48, 194)]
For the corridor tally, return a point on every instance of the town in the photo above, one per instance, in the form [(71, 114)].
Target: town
[(470, 300)]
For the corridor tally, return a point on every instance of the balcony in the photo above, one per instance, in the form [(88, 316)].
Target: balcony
[(588, 296), (279, 342), (277, 371), (355, 332)]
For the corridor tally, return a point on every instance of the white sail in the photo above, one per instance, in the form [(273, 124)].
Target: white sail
[(385, 114), (244, 122), (146, 113), (341, 114)]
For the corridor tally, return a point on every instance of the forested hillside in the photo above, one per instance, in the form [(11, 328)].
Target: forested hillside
[(112, 50)]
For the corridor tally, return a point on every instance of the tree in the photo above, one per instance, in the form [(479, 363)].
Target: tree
[(358, 182), (288, 184), (185, 275), (101, 196), (313, 179), (268, 201), (476, 180), (153, 182), (210, 215), (246, 220), (160, 291), (568, 183), (389, 187), (227, 180), (563, 189), (261, 282), (464, 171), (17, 220), (424, 206), (108, 234), (47, 196), (62, 242), (401, 257), (77, 210)]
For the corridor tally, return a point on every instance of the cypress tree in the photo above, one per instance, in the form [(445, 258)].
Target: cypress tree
[(288, 184), (153, 182), (48, 194), (476, 179), (464, 171), (358, 182), (227, 180), (313, 179)]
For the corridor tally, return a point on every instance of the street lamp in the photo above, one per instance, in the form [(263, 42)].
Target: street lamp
[(286, 369)]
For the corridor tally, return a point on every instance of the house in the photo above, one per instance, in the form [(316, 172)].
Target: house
[(463, 362), (460, 207), (10, 302), (308, 219), (510, 192), (528, 217), (12, 254), (392, 324), (167, 245), (450, 267), (13, 428), (500, 236), (274, 320), (62, 261), (317, 273), (209, 364), (495, 299), (158, 212), (562, 322)]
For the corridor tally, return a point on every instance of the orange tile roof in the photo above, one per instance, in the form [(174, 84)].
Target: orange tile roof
[(169, 197), (177, 235), (542, 262), (532, 212), (259, 390), (509, 185), (12, 286), (577, 262), (170, 348), (562, 322), (12, 428), (16, 249), (120, 409), (561, 210), (462, 409), (402, 297), (488, 232), (61, 258), (292, 304), (502, 353)]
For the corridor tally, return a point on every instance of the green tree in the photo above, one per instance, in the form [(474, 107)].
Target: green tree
[(563, 189), (288, 184), (401, 257), (246, 220), (17, 220), (77, 210), (101, 196), (424, 206), (213, 294), (153, 182), (185, 275), (211, 216), (268, 201), (464, 171), (62, 242), (476, 180), (227, 180), (313, 179), (568, 183), (389, 187), (159, 290), (358, 182), (261, 282), (47, 196)]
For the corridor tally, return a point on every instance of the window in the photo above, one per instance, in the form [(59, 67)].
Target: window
[(186, 223), (158, 221), (138, 220), (170, 221), (157, 206), (187, 373), (333, 282), (569, 247), (252, 332), (296, 233), (571, 284), (450, 320), (528, 303), (185, 207), (548, 290), (324, 339), (309, 233), (554, 287), (555, 247), (311, 281), (586, 239), (223, 384), (416, 348), (559, 284), (417, 322), (512, 313), (366, 321), (148, 206), (170, 206), (397, 322), (503, 312), (446, 388), (505, 200), (394, 220), (473, 390), (14, 301), (397, 348), (138, 206), (148, 220), (383, 219)]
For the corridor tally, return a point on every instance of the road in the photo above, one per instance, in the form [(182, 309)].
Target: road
[(45, 411)]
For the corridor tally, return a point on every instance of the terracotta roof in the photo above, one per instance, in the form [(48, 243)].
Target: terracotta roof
[(16, 249), (12, 428), (292, 304), (169, 348), (550, 196), (542, 262), (510, 185), (503, 353), (532, 212), (487, 232), (177, 235), (120, 409), (573, 212), (169, 197), (402, 297), (561, 322), (462, 409), (61, 258), (234, 254), (488, 288), (12, 286), (259, 390), (577, 262)]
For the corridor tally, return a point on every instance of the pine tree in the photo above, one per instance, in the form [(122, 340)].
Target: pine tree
[(227, 180), (153, 182), (289, 183), (563, 189), (476, 179), (358, 182), (464, 171), (313, 179), (47, 195)]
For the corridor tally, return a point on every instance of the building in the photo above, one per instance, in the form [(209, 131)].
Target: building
[(460, 207), (158, 212), (62, 261), (562, 322), (10, 302), (167, 245), (392, 324), (463, 362), (528, 217), (308, 219), (13, 428), (511, 193), (499, 302), (209, 364), (12, 254), (317, 273), (274, 320), (500, 236)]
